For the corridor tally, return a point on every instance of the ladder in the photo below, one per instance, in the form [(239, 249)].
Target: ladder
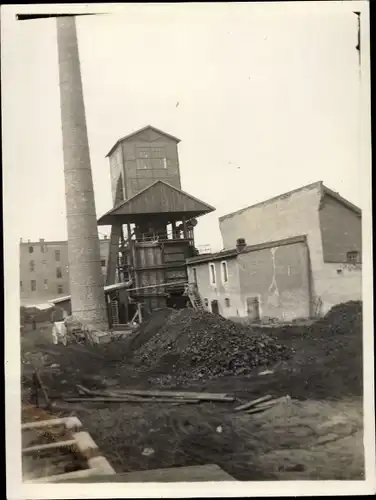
[(114, 312), (195, 298)]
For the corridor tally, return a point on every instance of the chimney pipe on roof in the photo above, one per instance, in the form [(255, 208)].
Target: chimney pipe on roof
[(240, 244)]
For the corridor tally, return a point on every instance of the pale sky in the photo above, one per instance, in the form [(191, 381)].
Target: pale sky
[(268, 102)]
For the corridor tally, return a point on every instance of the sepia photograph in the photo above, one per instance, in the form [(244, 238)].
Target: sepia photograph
[(188, 249)]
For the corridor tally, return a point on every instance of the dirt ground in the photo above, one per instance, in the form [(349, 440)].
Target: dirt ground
[(317, 435)]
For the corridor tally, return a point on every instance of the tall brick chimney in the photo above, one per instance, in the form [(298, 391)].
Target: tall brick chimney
[(85, 276)]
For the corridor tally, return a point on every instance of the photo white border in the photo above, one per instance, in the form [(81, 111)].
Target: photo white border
[(15, 488)]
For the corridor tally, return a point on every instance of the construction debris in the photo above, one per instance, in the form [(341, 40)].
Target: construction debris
[(146, 396), (253, 403), (120, 399)]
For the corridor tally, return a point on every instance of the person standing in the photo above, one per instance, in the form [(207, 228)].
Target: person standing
[(59, 331)]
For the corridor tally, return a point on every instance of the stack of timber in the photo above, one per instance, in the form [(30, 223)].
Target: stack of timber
[(146, 396)]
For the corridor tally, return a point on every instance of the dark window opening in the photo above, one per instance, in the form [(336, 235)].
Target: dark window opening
[(32, 266), (224, 272), (353, 257), (57, 255), (206, 302), (31, 249), (58, 272), (227, 302), (33, 285), (103, 262), (59, 289), (212, 273)]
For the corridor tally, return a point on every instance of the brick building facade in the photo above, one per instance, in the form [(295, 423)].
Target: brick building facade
[(44, 269)]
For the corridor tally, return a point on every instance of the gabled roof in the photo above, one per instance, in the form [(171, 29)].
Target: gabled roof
[(143, 129), (338, 197), (158, 198), (230, 254), (318, 185)]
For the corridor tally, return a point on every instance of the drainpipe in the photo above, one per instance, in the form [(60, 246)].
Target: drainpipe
[(85, 275)]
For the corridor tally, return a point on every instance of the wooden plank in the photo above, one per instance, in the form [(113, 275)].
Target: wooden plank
[(49, 446), (274, 401), (120, 399), (66, 422), (268, 405), (178, 394), (255, 402)]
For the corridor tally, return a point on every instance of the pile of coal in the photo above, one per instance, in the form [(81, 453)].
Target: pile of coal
[(199, 345), (342, 318)]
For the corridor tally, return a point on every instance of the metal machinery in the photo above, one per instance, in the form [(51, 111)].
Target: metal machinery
[(152, 222)]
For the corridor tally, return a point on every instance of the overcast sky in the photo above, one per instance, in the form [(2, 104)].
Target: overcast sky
[(268, 101)]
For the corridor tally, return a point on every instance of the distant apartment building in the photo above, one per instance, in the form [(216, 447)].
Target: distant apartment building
[(44, 269), (292, 256)]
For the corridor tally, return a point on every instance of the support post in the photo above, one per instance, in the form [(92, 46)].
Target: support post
[(185, 228)]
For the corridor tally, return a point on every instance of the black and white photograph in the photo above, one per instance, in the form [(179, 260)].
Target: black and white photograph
[(188, 249)]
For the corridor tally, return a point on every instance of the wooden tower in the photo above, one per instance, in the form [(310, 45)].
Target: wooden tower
[(158, 216)]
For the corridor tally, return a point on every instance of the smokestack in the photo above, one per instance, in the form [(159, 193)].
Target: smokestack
[(240, 244), (85, 276)]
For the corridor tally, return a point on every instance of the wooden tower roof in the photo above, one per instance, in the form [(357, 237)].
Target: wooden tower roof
[(137, 132), (157, 199)]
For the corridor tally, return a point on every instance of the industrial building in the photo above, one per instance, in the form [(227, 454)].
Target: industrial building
[(292, 256), (152, 220), (44, 270)]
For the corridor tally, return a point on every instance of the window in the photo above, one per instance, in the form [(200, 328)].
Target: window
[(45, 284), (58, 272), (33, 285), (194, 274), (212, 274), (227, 302), (57, 255), (21, 286), (353, 257), (42, 248), (59, 289), (32, 266), (224, 272), (158, 153), (31, 249), (206, 302), (103, 262), (149, 158)]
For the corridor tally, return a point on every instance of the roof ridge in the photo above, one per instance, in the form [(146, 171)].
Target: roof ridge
[(142, 130), (273, 198)]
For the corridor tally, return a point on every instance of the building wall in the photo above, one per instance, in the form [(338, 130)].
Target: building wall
[(48, 284), (220, 290), (341, 230), (336, 283), (138, 178), (279, 278), (331, 231), (295, 214)]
